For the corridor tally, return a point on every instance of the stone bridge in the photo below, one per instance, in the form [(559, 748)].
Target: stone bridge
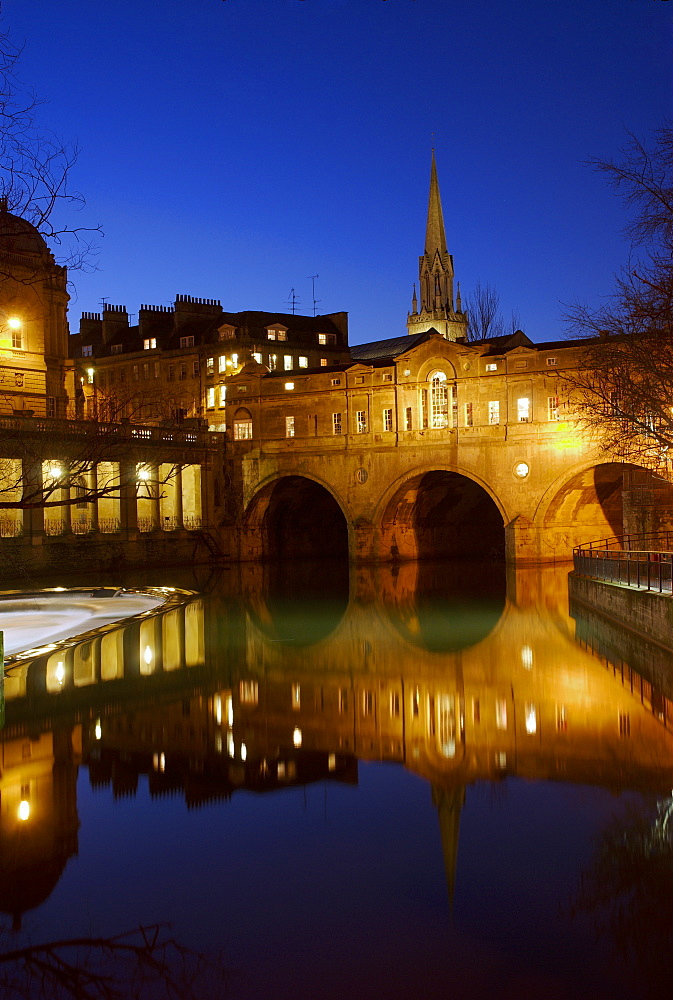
[(420, 447)]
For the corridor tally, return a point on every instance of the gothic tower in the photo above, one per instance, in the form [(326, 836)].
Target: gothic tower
[(435, 277)]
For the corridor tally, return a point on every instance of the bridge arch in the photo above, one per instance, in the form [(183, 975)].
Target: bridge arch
[(440, 511), (296, 517), (588, 501)]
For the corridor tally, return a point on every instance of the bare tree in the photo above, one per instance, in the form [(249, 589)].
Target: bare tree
[(483, 311), (36, 166), (143, 963), (623, 387)]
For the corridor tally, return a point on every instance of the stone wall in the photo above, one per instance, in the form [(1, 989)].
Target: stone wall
[(648, 614)]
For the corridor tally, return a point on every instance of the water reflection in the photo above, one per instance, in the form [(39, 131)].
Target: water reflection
[(287, 677)]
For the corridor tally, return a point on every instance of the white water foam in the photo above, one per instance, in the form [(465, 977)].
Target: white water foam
[(31, 621)]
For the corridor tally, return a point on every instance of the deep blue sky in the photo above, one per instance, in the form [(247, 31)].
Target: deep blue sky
[(231, 148)]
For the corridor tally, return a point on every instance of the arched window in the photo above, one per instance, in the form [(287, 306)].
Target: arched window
[(439, 400), (242, 424)]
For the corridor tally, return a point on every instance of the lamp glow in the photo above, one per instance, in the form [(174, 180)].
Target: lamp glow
[(98, 732), (147, 655), (296, 737), (14, 323), (24, 809)]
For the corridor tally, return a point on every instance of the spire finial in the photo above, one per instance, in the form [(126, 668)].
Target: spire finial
[(435, 238)]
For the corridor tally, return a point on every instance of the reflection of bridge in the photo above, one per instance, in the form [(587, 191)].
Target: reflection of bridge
[(236, 696)]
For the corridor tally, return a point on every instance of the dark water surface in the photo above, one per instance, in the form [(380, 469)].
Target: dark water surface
[(414, 783)]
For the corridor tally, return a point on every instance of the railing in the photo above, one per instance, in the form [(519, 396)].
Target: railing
[(109, 431), (641, 561), (192, 523), (84, 526), (146, 524), (109, 525), (54, 526), (10, 528)]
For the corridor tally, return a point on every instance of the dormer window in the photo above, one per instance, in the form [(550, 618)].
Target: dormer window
[(186, 341), (149, 344), (551, 362), (492, 367), (87, 351), (226, 332), (326, 338), (116, 349), (276, 333)]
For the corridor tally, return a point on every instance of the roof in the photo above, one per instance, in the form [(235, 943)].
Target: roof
[(388, 348), (20, 236)]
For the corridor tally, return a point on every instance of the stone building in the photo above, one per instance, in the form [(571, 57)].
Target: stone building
[(84, 494), (35, 375), (174, 361)]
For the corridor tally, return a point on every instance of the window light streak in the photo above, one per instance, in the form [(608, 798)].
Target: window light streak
[(24, 809), (297, 737)]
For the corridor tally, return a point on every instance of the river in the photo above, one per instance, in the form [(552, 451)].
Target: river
[(421, 781)]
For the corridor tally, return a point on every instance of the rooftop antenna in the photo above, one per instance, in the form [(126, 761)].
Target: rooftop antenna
[(315, 301), (293, 300), (104, 301)]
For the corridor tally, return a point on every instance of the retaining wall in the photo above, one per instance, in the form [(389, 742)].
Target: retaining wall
[(649, 615)]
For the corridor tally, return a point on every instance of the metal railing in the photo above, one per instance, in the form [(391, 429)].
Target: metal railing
[(109, 525), (54, 526), (10, 528), (146, 524), (192, 523), (643, 561)]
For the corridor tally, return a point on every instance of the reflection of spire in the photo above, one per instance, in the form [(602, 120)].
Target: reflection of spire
[(449, 802)]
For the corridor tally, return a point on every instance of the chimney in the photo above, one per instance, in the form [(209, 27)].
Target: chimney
[(115, 319)]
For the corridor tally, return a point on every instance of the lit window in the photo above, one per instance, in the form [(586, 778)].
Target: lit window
[(492, 367), (303, 361), (249, 692), (287, 362), (336, 423), (323, 362), (501, 713), (273, 362), (289, 386), (408, 418), (257, 356), (494, 411), (361, 421), (149, 344), (521, 470), (86, 351), (388, 419), (326, 338), (221, 364), (242, 425), (186, 341), (226, 333), (223, 395), (296, 697), (469, 417), (523, 410), (530, 715), (552, 408), (527, 657), (439, 400), (210, 366), (289, 427), (282, 335), (271, 334), (210, 397), (296, 737), (234, 360)]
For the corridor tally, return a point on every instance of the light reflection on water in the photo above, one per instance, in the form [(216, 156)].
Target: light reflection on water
[(380, 782)]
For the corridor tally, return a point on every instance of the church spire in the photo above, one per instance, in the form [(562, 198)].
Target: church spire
[(436, 310), (435, 237)]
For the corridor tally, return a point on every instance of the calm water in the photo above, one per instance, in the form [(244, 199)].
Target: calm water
[(426, 783)]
